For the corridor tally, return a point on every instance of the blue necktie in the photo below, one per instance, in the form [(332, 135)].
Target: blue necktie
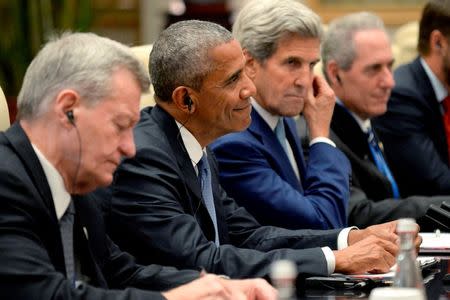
[(280, 132), (66, 228), (204, 174), (380, 162)]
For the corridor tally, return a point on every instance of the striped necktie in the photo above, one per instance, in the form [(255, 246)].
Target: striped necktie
[(380, 162), (66, 228), (204, 174)]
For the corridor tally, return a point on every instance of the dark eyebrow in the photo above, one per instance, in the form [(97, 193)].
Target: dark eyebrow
[(232, 77), (379, 65)]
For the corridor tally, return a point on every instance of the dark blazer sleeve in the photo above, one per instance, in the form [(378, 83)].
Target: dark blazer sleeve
[(364, 212), (414, 156), (411, 151), (155, 211), (27, 266), (248, 171), (120, 268)]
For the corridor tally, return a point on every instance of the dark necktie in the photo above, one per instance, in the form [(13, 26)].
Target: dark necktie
[(380, 162), (204, 174), (66, 228), (446, 120)]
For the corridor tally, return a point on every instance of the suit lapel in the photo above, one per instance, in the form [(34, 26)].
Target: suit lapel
[(90, 240), (294, 141), (25, 151), (22, 145), (268, 139), (425, 86), (437, 129), (349, 132), (169, 127), (349, 138)]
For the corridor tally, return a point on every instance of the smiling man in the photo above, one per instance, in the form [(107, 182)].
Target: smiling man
[(168, 200), (77, 107)]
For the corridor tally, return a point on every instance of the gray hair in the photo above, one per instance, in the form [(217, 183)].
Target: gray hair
[(180, 56), (262, 23), (83, 62), (338, 42)]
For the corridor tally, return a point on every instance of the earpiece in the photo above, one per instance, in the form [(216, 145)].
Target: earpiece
[(70, 117), (438, 45), (188, 102), (338, 79)]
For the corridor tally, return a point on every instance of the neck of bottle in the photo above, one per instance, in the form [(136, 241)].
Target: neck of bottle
[(406, 241)]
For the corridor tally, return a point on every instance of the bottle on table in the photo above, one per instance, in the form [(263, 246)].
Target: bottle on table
[(407, 272), (283, 274)]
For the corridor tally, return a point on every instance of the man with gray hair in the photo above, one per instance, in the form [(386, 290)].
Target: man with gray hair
[(262, 169), (77, 107), (168, 200), (357, 62)]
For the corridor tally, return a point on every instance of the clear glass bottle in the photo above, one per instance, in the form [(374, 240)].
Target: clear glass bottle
[(407, 272)]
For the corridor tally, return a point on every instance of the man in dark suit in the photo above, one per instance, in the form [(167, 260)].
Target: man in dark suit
[(361, 77), (168, 200), (77, 106), (412, 130), (265, 173)]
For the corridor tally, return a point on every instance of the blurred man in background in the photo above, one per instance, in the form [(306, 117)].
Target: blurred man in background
[(416, 127), (357, 61)]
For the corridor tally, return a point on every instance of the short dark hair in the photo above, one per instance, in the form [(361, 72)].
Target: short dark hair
[(435, 16), (180, 56)]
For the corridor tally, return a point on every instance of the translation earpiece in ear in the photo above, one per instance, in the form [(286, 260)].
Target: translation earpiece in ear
[(338, 79), (70, 117), (438, 45), (188, 102)]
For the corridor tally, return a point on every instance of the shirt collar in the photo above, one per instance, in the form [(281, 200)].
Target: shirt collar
[(61, 198), (270, 119), (438, 87), (365, 125), (193, 147)]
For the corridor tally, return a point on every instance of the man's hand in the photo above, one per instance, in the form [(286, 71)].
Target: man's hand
[(386, 231), (372, 254), (319, 107), (211, 286), (254, 289)]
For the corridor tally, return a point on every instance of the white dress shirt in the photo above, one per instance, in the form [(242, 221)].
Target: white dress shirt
[(439, 89), (61, 197), (195, 153)]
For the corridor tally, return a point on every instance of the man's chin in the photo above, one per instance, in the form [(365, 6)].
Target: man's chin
[(102, 182)]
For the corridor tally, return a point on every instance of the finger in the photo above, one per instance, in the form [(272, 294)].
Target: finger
[(392, 237), (388, 246), (262, 290), (383, 265), (418, 242), (238, 295)]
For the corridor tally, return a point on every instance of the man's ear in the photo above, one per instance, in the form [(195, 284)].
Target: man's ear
[(66, 100), (332, 72), (437, 42), (251, 65), (183, 100)]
